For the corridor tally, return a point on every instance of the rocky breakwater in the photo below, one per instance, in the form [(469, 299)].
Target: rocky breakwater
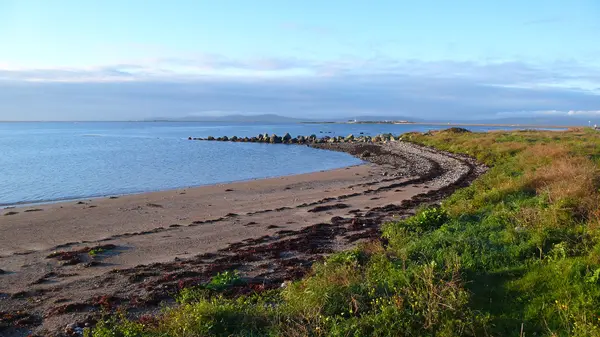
[(312, 139)]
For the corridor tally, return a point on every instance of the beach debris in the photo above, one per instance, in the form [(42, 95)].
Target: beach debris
[(328, 207), (11, 213), (17, 319), (69, 258)]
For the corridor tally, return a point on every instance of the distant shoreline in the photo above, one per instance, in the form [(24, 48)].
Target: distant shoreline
[(449, 124), (454, 124)]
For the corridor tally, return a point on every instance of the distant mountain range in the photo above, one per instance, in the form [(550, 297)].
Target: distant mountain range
[(273, 118), (265, 118)]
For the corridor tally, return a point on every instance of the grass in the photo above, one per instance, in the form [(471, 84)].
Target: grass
[(516, 253)]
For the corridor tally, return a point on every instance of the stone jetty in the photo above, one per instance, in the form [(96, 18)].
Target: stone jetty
[(312, 139)]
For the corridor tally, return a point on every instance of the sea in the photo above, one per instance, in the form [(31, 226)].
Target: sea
[(53, 161)]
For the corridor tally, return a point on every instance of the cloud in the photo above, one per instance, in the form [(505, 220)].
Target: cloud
[(583, 113), (297, 87)]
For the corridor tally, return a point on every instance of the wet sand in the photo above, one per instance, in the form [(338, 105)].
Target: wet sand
[(152, 244)]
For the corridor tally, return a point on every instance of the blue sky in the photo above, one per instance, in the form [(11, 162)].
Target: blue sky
[(104, 60)]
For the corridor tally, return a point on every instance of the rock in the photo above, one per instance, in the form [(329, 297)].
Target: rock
[(189, 138), (73, 330), (254, 139), (92, 263), (210, 138), (225, 138), (313, 137), (366, 154), (234, 138), (275, 139), (2, 272), (294, 141), (286, 138), (350, 137)]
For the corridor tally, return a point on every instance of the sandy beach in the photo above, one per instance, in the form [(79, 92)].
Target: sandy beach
[(61, 263)]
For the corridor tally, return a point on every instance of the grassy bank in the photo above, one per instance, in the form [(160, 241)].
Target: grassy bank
[(516, 253)]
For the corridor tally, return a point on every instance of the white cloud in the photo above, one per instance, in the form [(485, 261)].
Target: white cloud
[(583, 112), (176, 87)]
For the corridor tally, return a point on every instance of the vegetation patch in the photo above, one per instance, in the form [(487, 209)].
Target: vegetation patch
[(516, 253)]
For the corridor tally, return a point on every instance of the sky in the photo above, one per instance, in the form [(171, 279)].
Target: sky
[(139, 59)]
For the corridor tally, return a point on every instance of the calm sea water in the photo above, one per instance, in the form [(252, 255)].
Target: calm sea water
[(58, 161)]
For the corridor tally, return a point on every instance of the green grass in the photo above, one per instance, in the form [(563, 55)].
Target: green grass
[(518, 250), (96, 251)]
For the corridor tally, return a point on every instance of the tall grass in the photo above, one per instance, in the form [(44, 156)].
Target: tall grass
[(515, 253)]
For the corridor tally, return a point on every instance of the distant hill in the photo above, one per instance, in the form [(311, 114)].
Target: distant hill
[(265, 118), (273, 118), (381, 118)]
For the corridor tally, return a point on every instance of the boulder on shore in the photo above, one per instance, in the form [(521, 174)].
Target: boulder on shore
[(275, 139), (286, 138)]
